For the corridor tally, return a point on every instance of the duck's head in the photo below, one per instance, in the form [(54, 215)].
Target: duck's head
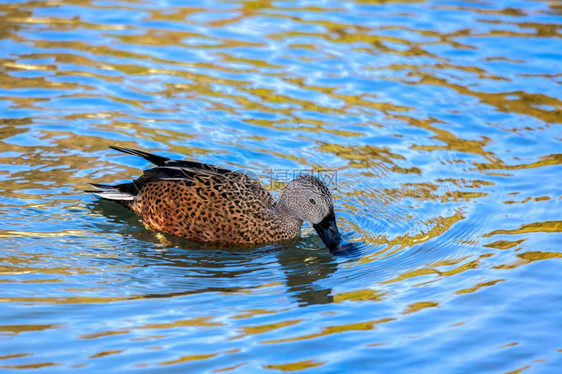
[(309, 199)]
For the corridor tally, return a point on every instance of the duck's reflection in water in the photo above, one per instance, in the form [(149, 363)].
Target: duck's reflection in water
[(193, 268)]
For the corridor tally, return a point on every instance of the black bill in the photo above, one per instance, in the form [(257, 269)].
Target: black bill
[(328, 231)]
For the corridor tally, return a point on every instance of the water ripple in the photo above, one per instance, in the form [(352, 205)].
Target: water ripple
[(435, 124)]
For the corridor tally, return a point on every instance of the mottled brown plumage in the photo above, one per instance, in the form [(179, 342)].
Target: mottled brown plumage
[(206, 203)]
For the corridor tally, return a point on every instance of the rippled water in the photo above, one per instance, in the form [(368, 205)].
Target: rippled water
[(438, 122)]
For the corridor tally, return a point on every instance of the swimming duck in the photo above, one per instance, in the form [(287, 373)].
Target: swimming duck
[(206, 203)]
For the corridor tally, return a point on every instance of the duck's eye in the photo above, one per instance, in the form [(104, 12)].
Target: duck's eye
[(313, 202)]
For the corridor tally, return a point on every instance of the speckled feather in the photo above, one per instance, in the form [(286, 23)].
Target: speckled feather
[(203, 203)]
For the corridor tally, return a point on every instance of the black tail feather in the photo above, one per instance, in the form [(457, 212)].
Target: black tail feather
[(156, 160), (165, 161)]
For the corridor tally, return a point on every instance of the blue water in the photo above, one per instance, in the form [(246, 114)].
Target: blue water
[(435, 123)]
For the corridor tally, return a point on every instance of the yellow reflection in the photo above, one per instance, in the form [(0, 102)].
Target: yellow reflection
[(441, 225), (261, 329), (517, 371), (479, 286), (38, 365), (546, 226), (527, 104), (250, 291), (69, 300), (504, 244), (105, 353), (249, 313), (197, 357), (360, 295), (296, 366), (329, 330), (528, 198), (527, 257), (508, 345), (189, 358), (376, 344), (434, 270), (16, 329), (229, 368), (199, 321), (104, 333), (414, 307), (15, 355)]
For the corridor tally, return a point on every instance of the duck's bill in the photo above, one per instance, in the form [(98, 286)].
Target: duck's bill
[(328, 231)]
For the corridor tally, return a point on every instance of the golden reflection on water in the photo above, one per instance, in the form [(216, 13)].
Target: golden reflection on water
[(329, 330), (528, 257), (424, 172), (479, 286), (17, 329), (105, 353), (196, 357), (548, 226), (360, 295), (415, 307), (6, 357), (261, 329), (30, 366), (295, 366)]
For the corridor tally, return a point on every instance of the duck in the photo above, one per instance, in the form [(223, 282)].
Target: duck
[(210, 204)]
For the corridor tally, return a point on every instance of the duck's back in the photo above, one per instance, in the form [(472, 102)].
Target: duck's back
[(209, 207), (201, 202)]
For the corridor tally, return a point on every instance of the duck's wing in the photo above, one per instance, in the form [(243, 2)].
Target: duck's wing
[(165, 161), (190, 173)]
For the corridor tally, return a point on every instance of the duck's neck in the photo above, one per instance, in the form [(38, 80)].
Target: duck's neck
[(288, 221)]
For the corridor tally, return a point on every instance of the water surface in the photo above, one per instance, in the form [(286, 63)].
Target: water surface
[(437, 122)]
